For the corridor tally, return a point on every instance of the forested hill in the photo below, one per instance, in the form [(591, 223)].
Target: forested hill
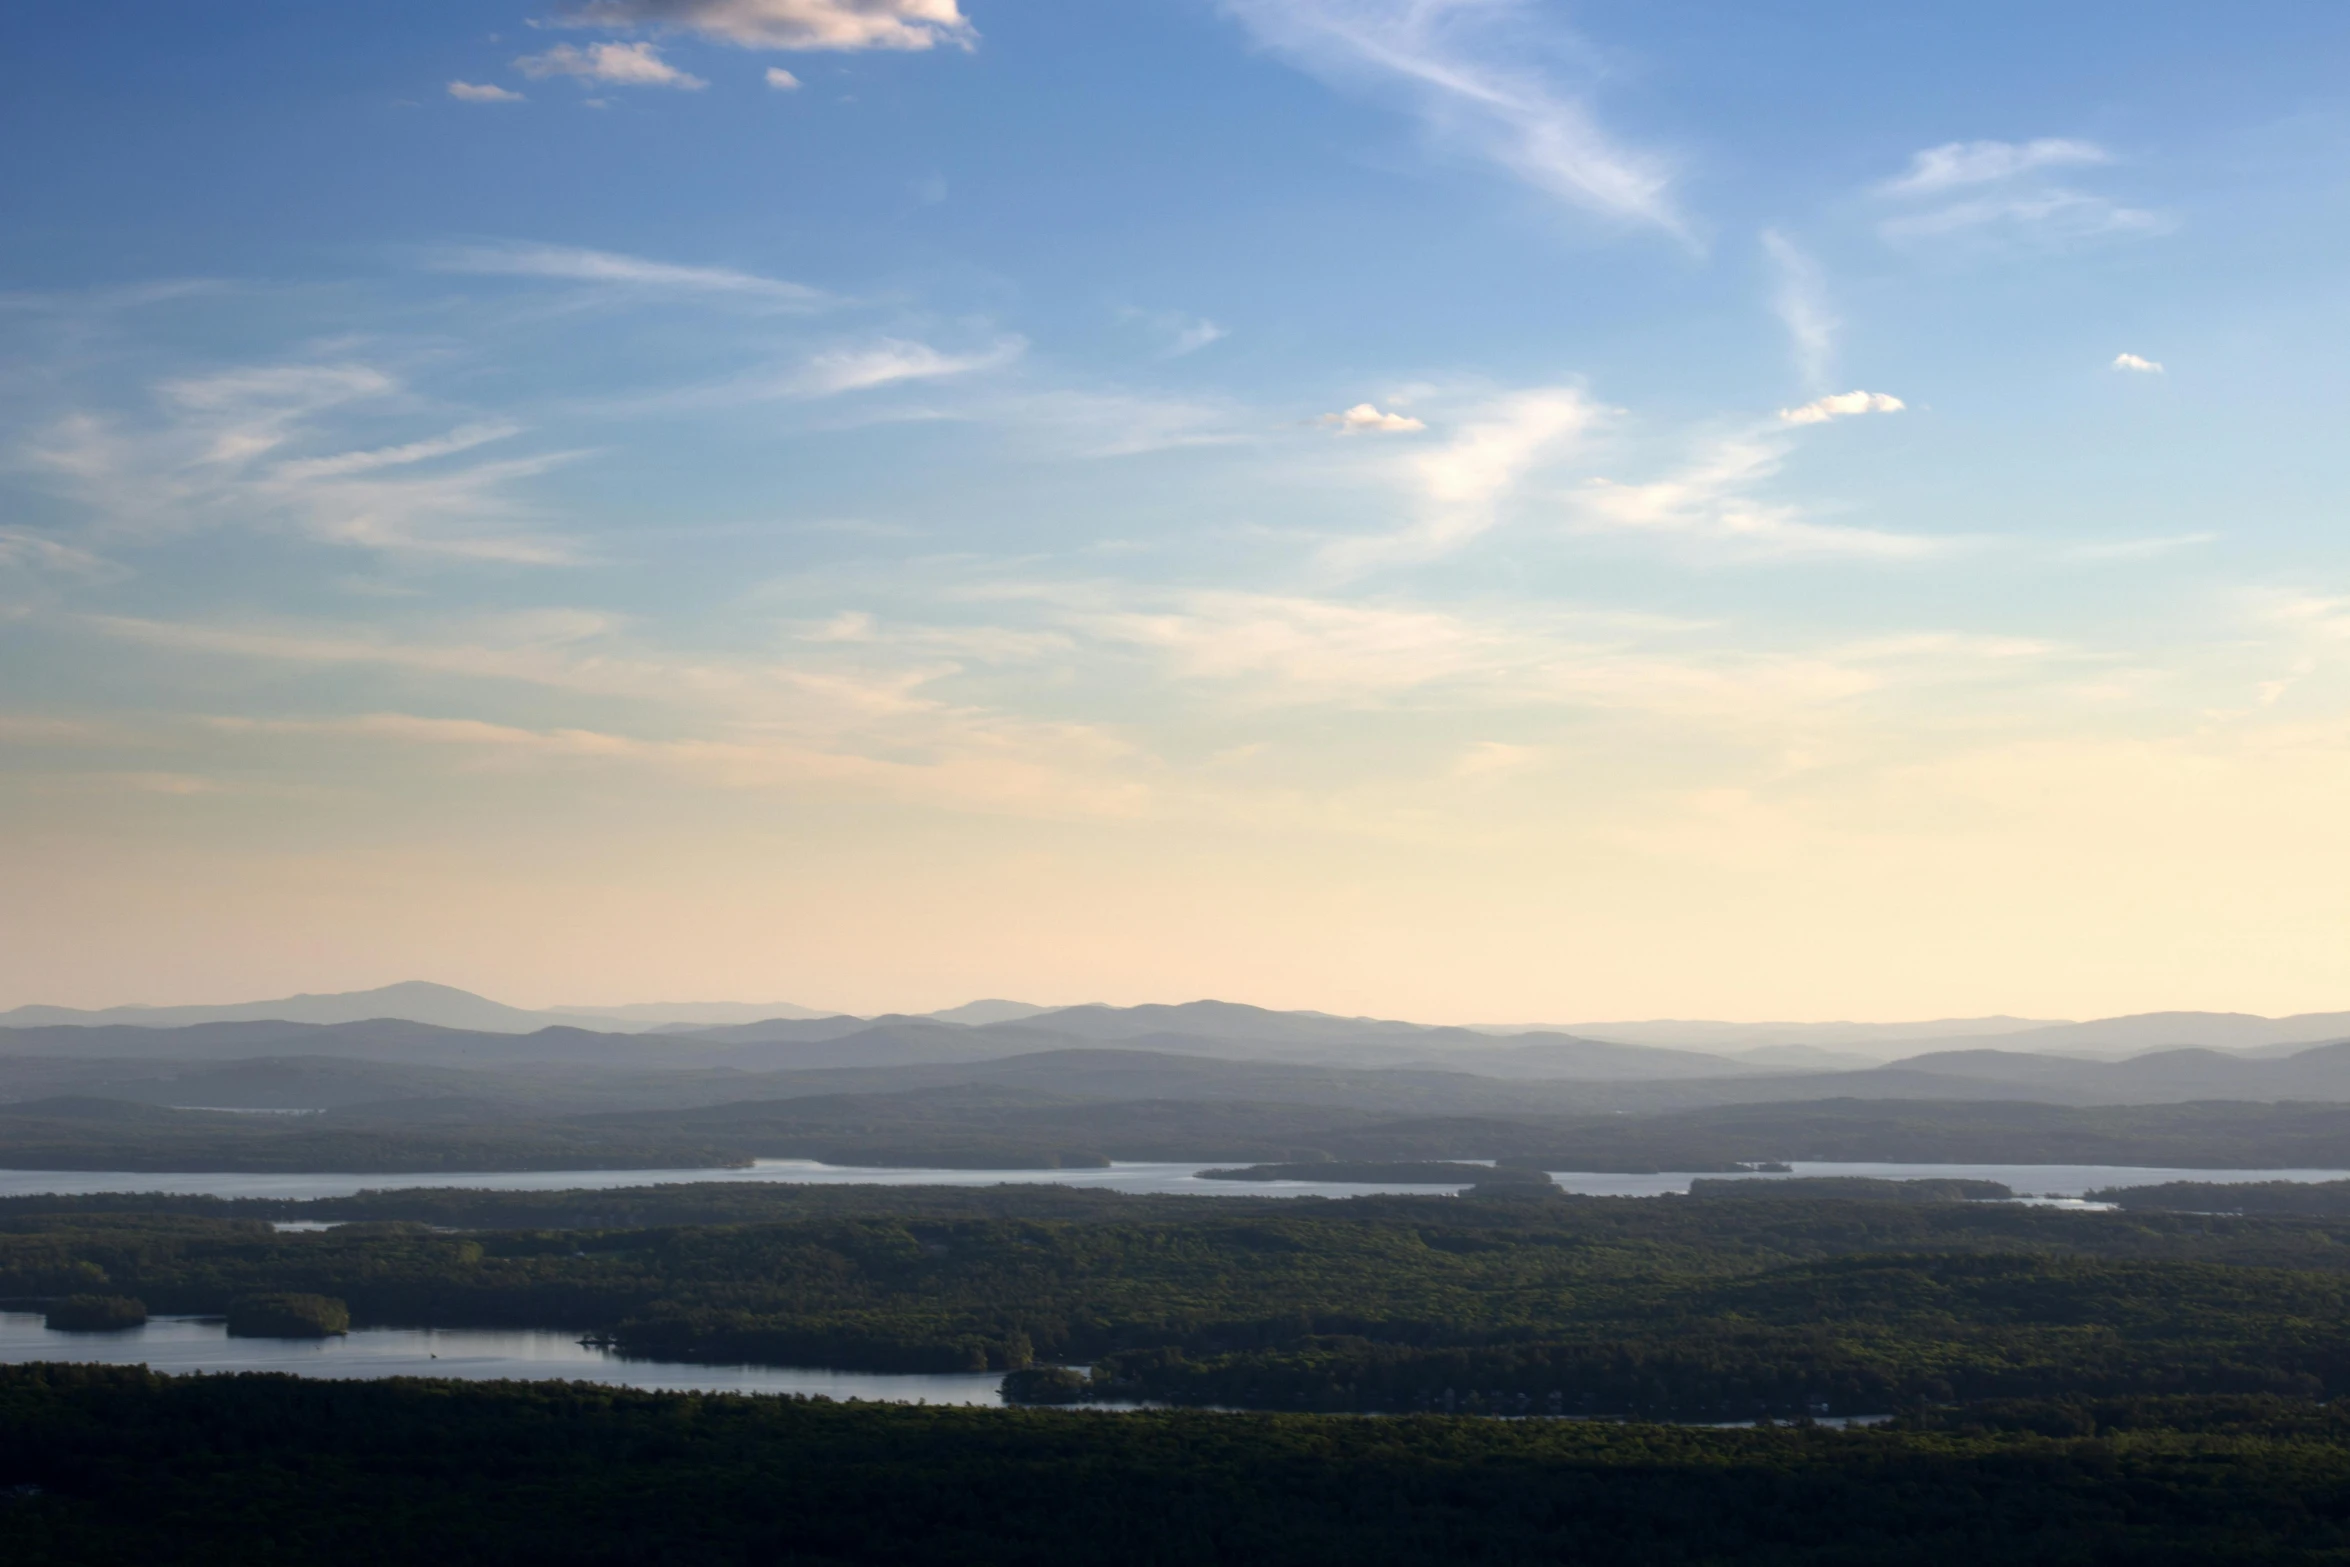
[(1693, 1308)]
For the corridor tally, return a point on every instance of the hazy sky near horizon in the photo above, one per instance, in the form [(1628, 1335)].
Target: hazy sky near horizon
[(1460, 509)]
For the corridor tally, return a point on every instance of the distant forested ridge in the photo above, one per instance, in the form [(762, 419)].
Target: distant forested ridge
[(966, 1127), (1688, 1308)]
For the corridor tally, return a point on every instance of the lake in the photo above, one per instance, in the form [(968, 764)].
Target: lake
[(1137, 1178), (184, 1344), (2065, 1182)]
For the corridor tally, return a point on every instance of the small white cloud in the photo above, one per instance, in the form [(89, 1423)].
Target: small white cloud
[(623, 65), (782, 80), (1366, 416), (482, 92), (1960, 163), (2137, 363), (1842, 405), (788, 24)]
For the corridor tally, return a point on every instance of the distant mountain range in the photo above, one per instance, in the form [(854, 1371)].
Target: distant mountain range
[(413, 1001), (1621, 1050), (445, 1006), (1291, 1056)]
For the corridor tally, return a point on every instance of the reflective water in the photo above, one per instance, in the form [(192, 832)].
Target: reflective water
[(2036, 1180), (1160, 1178), (181, 1344), (2027, 1180)]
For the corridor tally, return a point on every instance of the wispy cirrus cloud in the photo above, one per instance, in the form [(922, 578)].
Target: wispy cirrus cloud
[(1958, 164), (1179, 334), (35, 567), (1719, 499), (1465, 483), (483, 92), (1468, 69), (21, 549), (1801, 301), (838, 25), (2139, 549), (1525, 458), (855, 713), (863, 366), (618, 270), (1265, 650), (2053, 216), (1100, 422), (256, 446), (1990, 189), (462, 439)]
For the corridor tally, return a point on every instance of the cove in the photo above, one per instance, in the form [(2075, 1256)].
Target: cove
[(188, 1344)]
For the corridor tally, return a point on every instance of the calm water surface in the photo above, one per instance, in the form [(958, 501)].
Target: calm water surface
[(2061, 1181), (1163, 1178), (182, 1344), (2064, 1182)]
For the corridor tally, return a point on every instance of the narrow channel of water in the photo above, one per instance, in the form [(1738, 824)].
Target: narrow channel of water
[(2063, 1181), (1177, 1179), (185, 1344)]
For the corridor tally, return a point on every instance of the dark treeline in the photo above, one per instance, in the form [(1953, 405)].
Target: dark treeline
[(998, 1127), (108, 1466), (630, 1207), (2329, 1199), (107, 1134), (1683, 1308)]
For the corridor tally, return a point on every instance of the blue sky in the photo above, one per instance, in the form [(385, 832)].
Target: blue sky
[(1465, 509)]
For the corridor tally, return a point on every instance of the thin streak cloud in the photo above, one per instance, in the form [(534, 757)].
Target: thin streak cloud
[(1464, 66), (1801, 301), (566, 264), (1956, 164)]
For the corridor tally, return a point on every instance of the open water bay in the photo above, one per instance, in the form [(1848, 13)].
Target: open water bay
[(187, 1344)]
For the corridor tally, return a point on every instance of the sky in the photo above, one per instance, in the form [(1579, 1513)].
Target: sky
[(1470, 510)]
